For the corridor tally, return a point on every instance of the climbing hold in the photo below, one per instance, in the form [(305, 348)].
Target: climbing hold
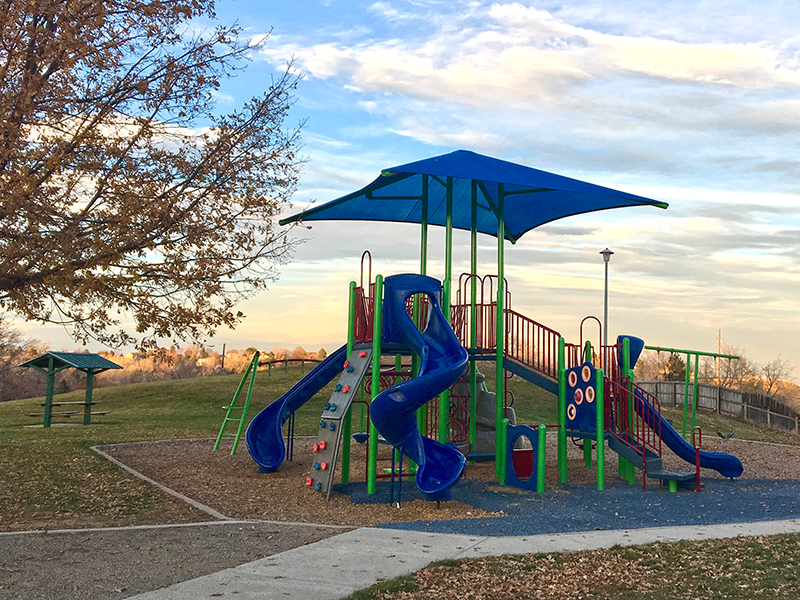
[(338, 387), (362, 354), (309, 481), (346, 364), (324, 466), (322, 424), (350, 369), (333, 407), (346, 389), (327, 405), (316, 447), (333, 426), (319, 486), (316, 466), (323, 444)]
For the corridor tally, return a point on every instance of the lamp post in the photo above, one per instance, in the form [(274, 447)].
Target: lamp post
[(606, 257)]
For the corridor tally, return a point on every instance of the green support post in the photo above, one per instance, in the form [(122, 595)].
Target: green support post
[(423, 270), (562, 412), (500, 319), (501, 456), (347, 422), (87, 407), (444, 397), (372, 464), (587, 452), (587, 351), (540, 458), (473, 316), (601, 426), (686, 395), (48, 397), (694, 394)]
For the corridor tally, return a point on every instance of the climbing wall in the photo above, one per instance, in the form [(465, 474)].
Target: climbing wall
[(581, 394), (326, 448)]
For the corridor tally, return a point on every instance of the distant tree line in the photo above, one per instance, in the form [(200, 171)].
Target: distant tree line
[(156, 364)]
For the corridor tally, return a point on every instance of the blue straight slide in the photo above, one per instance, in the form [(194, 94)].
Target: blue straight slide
[(264, 435), (442, 362), (725, 464)]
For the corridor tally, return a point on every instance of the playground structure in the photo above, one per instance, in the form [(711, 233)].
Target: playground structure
[(447, 334)]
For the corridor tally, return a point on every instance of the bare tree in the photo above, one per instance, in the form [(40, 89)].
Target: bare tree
[(773, 375)]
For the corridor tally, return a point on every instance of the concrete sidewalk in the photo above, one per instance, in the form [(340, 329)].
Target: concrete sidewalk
[(338, 566)]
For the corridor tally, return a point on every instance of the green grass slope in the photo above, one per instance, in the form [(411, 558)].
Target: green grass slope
[(52, 479)]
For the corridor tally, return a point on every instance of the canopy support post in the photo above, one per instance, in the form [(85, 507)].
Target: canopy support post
[(473, 315), (500, 329)]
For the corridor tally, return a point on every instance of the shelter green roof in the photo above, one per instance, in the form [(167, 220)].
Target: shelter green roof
[(83, 361)]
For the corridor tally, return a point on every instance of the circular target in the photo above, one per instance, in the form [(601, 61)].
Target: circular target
[(590, 395), (586, 373), (572, 378), (578, 396), (571, 412)]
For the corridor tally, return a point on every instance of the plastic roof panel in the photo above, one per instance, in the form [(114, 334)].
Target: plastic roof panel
[(531, 197)]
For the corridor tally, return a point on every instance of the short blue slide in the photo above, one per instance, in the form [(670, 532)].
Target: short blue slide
[(442, 362), (264, 435), (726, 465)]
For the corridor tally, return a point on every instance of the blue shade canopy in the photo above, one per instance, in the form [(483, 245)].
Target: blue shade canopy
[(529, 197)]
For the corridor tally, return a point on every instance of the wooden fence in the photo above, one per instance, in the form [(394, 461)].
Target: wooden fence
[(725, 401)]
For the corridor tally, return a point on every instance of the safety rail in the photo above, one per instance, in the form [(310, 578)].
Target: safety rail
[(364, 316), (531, 343), (697, 443), (638, 429)]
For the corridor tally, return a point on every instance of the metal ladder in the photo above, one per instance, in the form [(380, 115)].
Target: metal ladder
[(249, 372)]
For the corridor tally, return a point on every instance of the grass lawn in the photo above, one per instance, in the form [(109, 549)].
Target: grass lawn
[(52, 479), (743, 568)]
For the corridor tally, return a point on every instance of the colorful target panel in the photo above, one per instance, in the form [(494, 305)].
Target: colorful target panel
[(581, 394)]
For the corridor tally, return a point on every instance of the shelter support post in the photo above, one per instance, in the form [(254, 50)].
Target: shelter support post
[(48, 397), (87, 407)]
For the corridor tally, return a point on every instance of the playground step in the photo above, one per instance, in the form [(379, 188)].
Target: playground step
[(633, 454), (672, 475)]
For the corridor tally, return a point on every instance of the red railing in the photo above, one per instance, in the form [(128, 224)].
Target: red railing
[(639, 429), (531, 343)]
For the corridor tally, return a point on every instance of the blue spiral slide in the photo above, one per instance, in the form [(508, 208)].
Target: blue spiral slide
[(264, 435), (442, 362)]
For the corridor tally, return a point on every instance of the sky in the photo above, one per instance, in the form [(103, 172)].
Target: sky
[(695, 103)]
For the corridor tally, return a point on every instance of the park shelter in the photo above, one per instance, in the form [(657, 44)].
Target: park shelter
[(477, 193), (51, 363)]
